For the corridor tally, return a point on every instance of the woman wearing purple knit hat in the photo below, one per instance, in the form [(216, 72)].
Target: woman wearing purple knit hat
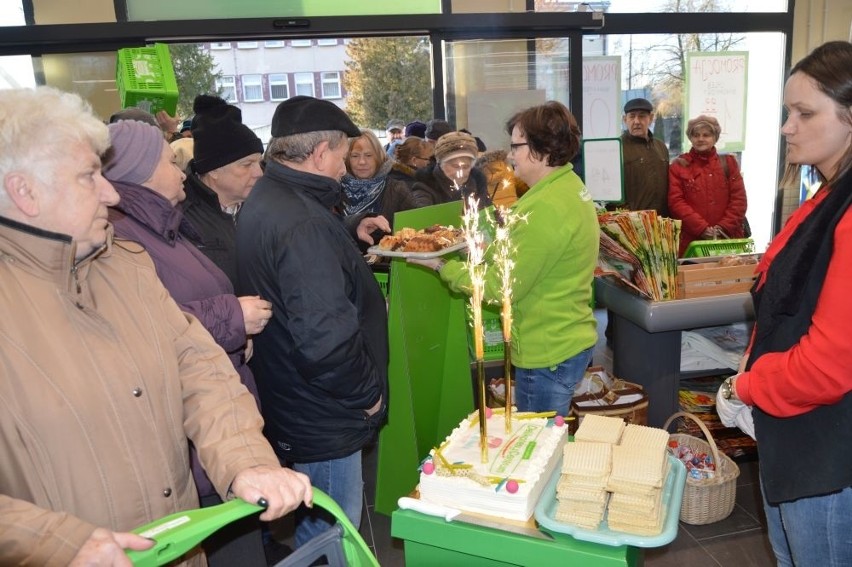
[(142, 168), (706, 190)]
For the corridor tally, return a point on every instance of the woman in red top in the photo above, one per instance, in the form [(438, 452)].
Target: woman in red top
[(706, 193), (797, 375)]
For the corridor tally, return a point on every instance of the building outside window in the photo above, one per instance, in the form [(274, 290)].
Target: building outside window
[(220, 45), (279, 88), (227, 85), (274, 43), (304, 84), (246, 45), (331, 84), (300, 42), (327, 41), (252, 88)]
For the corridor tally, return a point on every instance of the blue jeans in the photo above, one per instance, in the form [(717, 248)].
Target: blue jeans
[(550, 389), (342, 480), (812, 531)]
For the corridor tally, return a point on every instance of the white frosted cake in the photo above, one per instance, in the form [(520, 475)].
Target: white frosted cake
[(509, 485)]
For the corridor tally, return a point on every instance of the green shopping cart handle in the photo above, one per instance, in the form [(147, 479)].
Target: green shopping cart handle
[(178, 533)]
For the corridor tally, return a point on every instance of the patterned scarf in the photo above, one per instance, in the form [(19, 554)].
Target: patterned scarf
[(362, 195)]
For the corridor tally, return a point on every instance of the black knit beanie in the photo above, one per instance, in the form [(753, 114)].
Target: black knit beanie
[(221, 138)]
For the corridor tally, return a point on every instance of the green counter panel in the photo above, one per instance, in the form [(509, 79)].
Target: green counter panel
[(433, 542), (429, 371)]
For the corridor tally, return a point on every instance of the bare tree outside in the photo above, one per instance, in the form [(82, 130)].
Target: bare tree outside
[(388, 78), (668, 71)]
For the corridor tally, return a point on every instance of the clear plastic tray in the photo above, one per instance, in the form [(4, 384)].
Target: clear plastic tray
[(672, 498), (417, 255)]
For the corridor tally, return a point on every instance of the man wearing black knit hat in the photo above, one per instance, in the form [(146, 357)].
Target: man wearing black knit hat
[(322, 362), (221, 175)]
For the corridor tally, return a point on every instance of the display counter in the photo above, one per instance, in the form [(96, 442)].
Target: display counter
[(647, 337), (433, 542)]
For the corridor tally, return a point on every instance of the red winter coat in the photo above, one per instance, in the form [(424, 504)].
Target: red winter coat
[(701, 195)]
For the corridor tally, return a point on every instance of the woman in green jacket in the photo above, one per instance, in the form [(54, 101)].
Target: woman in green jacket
[(554, 252)]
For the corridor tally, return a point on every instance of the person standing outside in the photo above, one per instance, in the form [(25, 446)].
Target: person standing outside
[(796, 374), (104, 377), (554, 253), (321, 364), (646, 160), (394, 132), (706, 193)]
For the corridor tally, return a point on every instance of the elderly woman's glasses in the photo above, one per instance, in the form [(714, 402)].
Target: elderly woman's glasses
[(513, 147)]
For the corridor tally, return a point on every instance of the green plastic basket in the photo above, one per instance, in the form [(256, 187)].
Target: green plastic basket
[(145, 78), (178, 533), (383, 280), (492, 326), (703, 248)]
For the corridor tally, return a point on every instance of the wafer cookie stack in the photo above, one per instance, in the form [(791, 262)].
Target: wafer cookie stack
[(639, 470), (581, 491), (600, 429)]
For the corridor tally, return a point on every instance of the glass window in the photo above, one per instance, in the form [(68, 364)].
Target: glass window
[(220, 45), (279, 88), (326, 41), (304, 84), (142, 10), (246, 45), (252, 88), (654, 6), (300, 42), (724, 71), (274, 43), (488, 80), (227, 86), (331, 85)]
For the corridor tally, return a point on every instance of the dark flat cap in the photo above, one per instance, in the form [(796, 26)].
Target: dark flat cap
[(302, 114), (436, 128), (395, 124), (638, 104)]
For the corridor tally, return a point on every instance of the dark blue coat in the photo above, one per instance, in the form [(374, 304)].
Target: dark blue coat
[(323, 359)]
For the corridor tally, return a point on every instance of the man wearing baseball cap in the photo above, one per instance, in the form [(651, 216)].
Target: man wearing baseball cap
[(394, 130), (646, 160), (322, 363)]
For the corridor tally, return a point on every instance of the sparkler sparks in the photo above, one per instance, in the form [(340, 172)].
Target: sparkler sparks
[(503, 252), (476, 268)]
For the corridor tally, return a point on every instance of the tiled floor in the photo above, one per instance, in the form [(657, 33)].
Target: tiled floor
[(739, 540)]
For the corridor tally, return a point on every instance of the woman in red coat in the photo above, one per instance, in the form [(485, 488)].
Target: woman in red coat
[(705, 193)]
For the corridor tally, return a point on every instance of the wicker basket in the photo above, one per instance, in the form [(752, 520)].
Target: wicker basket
[(706, 500)]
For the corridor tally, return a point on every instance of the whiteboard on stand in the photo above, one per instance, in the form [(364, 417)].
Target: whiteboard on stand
[(604, 170)]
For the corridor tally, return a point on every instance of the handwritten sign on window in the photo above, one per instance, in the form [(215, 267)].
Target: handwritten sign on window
[(603, 168), (716, 86)]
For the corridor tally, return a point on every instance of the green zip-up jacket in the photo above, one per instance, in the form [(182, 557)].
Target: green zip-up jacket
[(555, 253)]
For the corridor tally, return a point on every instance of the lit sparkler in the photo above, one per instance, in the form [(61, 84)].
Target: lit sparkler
[(503, 252), (476, 268)]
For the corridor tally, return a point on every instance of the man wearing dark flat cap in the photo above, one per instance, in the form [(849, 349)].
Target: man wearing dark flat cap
[(645, 158), (321, 364)]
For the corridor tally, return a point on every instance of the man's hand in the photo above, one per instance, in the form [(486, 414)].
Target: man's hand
[(168, 124), (256, 313), (283, 489), (368, 225), (107, 548), (375, 408)]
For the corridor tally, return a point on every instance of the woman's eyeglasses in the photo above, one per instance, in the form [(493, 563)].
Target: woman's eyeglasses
[(513, 147)]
